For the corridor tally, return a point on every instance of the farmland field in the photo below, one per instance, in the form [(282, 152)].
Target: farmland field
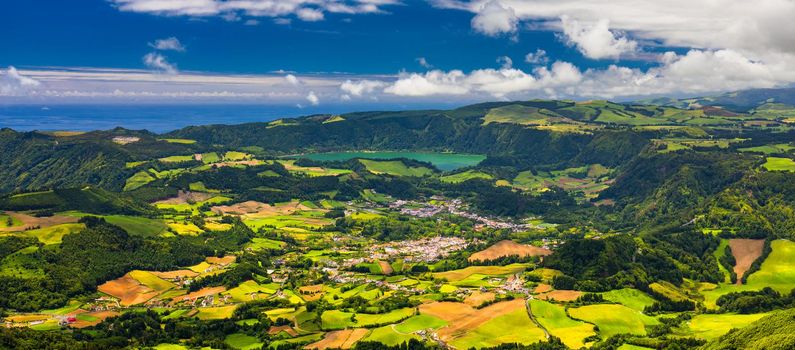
[(508, 248), (614, 319), (335, 319), (394, 167), (708, 326), (553, 317), (779, 164)]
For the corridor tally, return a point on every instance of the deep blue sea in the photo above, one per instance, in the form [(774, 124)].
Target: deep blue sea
[(156, 118)]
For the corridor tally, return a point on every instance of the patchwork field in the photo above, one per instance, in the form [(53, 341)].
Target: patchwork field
[(777, 272), (136, 287), (553, 317), (22, 221), (54, 234), (614, 319), (344, 339), (335, 319), (484, 327), (508, 248), (461, 274)]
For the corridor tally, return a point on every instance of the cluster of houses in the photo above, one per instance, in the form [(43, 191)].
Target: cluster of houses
[(420, 250), (455, 207)]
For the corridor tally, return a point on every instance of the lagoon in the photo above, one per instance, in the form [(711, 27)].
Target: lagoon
[(443, 161)]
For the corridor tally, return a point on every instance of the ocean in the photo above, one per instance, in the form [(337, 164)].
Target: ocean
[(155, 118)]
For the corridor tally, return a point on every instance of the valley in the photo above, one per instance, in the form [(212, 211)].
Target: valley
[(530, 224)]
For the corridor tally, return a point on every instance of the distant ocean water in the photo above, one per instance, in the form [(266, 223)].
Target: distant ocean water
[(156, 118)]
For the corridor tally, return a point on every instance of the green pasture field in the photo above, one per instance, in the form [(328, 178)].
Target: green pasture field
[(467, 175), (165, 346), (711, 326), (54, 234), (258, 243), (388, 335), (138, 179), (242, 292), (243, 342), (779, 164), (629, 297), (134, 225), (394, 167), (336, 319), (419, 322), (519, 114), (290, 165), (553, 317), (514, 327), (180, 141), (176, 159), (779, 148), (614, 319)]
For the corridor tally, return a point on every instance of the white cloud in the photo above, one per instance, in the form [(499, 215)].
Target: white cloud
[(282, 21), (435, 82), (168, 44), (749, 27), (312, 98), (424, 63), (361, 87), (595, 40), (494, 19), (538, 57), (159, 63), (309, 15), (292, 79), (233, 9), (505, 62), (13, 83)]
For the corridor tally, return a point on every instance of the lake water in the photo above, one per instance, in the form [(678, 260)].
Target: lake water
[(443, 161)]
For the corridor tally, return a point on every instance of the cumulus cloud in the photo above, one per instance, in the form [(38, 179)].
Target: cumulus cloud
[(494, 19), (595, 40), (361, 87), (159, 63), (309, 14), (312, 98), (13, 83), (292, 80), (306, 10), (497, 83), (168, 44), (538, 57)]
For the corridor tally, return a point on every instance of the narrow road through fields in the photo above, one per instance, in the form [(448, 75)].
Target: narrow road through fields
[(533, 318)]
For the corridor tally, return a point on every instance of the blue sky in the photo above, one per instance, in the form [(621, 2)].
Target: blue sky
[(313, 52)]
